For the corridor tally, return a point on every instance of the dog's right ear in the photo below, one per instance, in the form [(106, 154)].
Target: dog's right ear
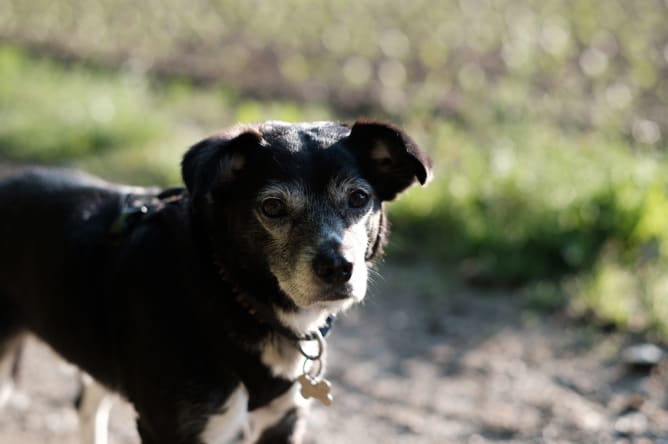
[(389, 158), (217, 160)]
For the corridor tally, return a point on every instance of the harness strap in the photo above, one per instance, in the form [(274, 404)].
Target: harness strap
[(136, 207)]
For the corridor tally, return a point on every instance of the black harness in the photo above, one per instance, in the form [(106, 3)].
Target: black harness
[(138, 207)]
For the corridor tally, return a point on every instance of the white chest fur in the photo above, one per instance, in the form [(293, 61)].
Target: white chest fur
[(271, 414), (284, 360), (236, 424), (226, 427)]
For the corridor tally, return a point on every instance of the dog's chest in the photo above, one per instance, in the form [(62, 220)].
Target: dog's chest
[(227, 426), (235, 423), (284, 358)]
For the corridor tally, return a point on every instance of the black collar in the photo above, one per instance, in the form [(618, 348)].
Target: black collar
[(264, 316)]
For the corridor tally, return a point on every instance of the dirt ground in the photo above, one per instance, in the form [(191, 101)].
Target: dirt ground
[(422, 362)]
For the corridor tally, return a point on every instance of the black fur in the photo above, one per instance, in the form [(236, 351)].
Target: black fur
[(148, 313)]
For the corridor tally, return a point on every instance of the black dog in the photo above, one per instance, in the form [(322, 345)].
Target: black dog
[(203, 306)]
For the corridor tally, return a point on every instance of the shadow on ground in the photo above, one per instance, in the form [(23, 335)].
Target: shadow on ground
[(424, 363)]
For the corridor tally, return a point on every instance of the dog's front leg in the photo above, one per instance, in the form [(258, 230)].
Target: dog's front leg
[(94, 405), (10, 355), (288, 430)]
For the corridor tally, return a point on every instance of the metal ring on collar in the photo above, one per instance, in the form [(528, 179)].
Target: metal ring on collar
[(321, 347), (307, 371)]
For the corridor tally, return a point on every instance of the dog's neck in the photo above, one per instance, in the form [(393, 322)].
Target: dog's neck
[(307, 320), (295, 324)]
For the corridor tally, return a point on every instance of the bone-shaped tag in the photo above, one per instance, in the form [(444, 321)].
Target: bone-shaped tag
[(318, 390)]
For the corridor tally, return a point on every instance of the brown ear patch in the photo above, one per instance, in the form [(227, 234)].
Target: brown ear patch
[(389, 157)]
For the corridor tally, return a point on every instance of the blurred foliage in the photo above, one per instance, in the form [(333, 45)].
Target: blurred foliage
[(632, 298), (118, 124), (547, 120), (536, 206), (49, 113), (479, 62)]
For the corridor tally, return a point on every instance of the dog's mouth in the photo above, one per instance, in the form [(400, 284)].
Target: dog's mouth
[(322, 294), (336, 293)]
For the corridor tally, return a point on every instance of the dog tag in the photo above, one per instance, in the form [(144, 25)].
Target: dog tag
[(320, 390)]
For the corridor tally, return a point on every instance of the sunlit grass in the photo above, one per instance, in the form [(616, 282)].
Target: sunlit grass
[(535, 205), (49, 113), (121, 124)]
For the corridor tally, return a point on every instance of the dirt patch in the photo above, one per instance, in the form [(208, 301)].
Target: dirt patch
[(423, 363)]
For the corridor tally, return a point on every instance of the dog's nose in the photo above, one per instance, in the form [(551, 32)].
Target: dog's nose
[(332, 267)]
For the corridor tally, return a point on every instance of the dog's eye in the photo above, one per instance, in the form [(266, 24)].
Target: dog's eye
[(273, 207), (358, 199)]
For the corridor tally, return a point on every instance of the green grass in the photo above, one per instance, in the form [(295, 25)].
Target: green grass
[(119, 124), (536, 206), (49, 113)]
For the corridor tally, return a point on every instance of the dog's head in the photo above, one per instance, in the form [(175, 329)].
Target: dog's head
[(302, 202)]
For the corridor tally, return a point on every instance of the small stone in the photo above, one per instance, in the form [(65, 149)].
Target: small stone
[(642, 356), (631, 424)]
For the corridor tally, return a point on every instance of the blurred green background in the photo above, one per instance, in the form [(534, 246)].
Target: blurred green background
[(547, 120)]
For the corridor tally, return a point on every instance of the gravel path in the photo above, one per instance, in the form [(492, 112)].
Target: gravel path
[(424, 363)]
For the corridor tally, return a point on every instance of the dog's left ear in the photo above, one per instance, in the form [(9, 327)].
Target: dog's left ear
[(389, 158), (218, 160)]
